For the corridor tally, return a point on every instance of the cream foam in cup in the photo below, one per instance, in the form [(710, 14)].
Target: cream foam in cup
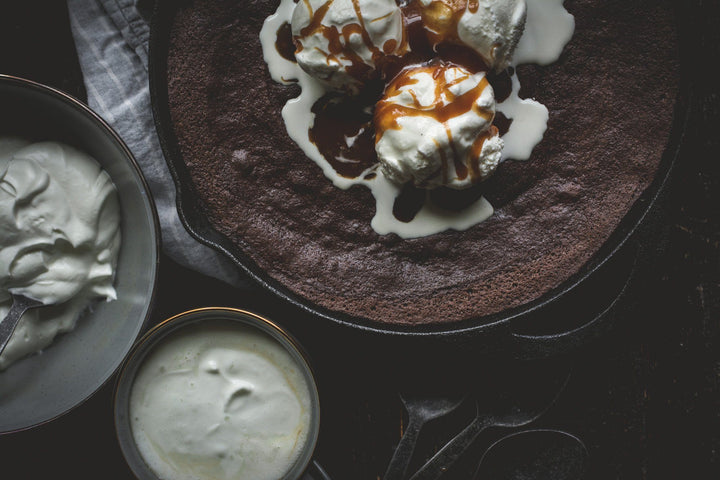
[(217, 393)]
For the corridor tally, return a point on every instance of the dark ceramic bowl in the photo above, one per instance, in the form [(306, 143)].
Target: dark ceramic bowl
[(42, 387)]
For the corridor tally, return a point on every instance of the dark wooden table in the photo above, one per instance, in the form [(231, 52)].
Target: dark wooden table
[(645, 399)]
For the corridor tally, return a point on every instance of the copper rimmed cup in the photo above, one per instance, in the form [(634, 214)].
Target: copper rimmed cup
[(196, 318)]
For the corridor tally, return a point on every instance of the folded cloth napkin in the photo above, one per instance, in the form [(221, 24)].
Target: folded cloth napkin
[(111, 38)]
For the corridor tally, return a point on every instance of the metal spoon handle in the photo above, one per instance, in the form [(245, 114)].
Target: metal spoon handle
[(404, 451), (446, 457), (315, 472), (7, 325)]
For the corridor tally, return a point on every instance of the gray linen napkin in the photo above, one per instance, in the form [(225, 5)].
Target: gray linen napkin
[(112, 43)]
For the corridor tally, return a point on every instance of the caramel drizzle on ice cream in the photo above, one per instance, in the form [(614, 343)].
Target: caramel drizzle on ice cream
[(445, 106), (441, 18), (339, 47)]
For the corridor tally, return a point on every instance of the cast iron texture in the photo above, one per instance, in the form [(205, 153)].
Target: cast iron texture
[(560, 321)]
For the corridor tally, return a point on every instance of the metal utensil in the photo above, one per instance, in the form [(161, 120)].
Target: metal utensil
[(537, 454), (19, 306), (315, 472), (420, 410), (516, 401)]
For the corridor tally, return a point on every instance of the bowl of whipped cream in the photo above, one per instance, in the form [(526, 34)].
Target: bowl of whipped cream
[(79, 232), (218, 394)]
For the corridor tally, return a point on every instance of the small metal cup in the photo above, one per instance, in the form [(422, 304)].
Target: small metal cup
[(194, 317)]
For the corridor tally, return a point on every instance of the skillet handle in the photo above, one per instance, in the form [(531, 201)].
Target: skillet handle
[(532, 345)]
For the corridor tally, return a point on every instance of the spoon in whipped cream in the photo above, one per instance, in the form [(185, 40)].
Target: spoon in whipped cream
[(20, 304), (59, 240)]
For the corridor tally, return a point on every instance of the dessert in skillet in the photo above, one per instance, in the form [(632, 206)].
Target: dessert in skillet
[(610, 99), (415, 81), (220, 401), (59, 238)]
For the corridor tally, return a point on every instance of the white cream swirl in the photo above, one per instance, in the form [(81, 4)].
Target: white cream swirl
[(59, 241)]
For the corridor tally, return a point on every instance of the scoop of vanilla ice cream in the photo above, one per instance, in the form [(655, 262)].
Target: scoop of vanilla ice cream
[(490, 27), (434, 128), (341, 41), (493, 28)]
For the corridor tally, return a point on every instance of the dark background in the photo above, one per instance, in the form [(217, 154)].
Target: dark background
[(644, 399)]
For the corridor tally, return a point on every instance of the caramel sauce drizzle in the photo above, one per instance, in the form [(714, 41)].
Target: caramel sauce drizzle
[(476, 150), (339, 39), (344, 134), (429, 41), (284, 42), (444, 107), (441, 19)]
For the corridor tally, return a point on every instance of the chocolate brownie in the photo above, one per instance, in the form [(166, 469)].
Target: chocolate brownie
[(611, 98)]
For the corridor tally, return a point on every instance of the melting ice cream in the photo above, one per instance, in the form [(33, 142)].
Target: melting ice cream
[(434, 128), (414, 146), (340, 42)]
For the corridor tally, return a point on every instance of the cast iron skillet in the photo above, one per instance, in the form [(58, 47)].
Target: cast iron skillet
[(564, 318)]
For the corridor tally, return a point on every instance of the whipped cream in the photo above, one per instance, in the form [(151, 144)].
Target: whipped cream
[(220, 401), (340, 42), (490, 27), (434, 127), (59, 238), (548, 28)]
